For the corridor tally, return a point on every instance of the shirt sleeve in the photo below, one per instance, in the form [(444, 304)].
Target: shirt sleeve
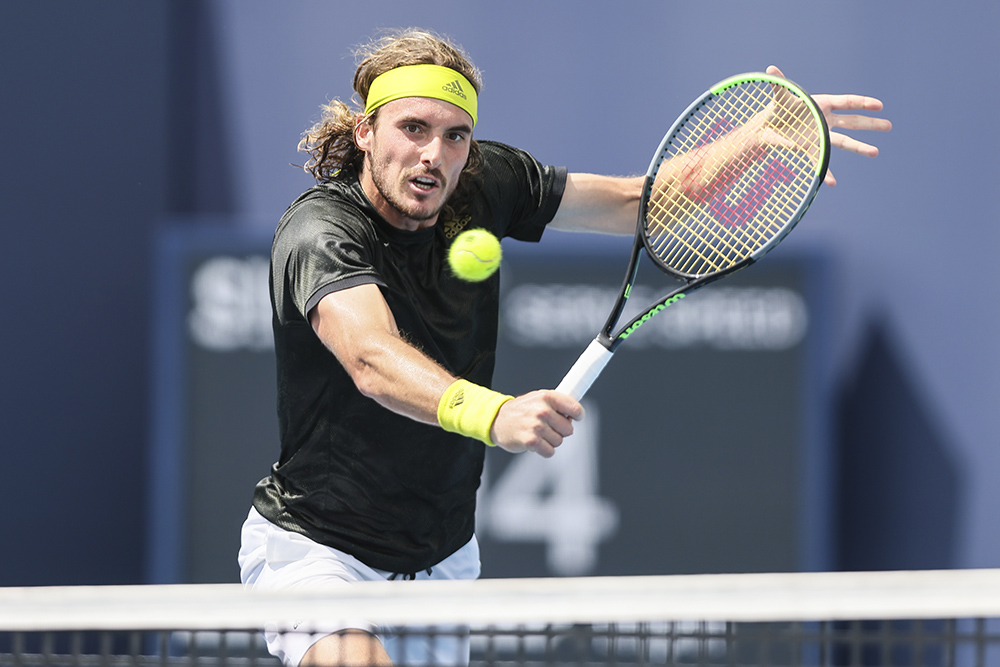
[(321, 246), (523, 194)]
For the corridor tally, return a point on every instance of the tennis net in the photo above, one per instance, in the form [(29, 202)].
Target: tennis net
[(874, 618)]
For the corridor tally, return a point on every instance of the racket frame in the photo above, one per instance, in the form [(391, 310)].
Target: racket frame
[(610, 338), (596, 356)]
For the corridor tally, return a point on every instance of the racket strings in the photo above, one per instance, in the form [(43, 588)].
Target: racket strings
[(724, 190)]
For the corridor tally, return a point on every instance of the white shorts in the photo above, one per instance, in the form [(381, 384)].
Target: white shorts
[(274, 558)]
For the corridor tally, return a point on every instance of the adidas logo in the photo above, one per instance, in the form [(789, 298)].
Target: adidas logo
[(453, 227), (455, 88)]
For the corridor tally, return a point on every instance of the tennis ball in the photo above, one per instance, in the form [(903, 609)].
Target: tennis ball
[(475, 255)]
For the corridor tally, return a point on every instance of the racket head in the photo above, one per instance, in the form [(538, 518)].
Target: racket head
[(732, 176)]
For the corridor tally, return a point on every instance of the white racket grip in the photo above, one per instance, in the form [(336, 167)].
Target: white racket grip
[(585, 370)]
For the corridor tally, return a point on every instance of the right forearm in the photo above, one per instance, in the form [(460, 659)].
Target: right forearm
[(396, 375), (358, 328)]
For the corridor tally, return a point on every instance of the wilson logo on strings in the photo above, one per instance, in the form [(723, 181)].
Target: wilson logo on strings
[(749, 205)]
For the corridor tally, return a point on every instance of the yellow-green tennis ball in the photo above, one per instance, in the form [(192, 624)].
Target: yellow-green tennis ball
[(475, 255)]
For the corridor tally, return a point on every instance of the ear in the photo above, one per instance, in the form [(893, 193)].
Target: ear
[(363, 134)]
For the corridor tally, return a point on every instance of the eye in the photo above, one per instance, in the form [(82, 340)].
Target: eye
[(457, 136)]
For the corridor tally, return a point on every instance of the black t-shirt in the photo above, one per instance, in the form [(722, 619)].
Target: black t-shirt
[(397, 494)]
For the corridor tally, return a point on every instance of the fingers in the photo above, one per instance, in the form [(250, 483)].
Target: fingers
[(856, 122), (848, 102), (829, 104), (536, 422), (844, 142), (565, 405), (548, 434), (838, 102)]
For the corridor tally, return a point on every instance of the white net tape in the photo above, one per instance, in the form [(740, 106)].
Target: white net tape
[(885, 618)]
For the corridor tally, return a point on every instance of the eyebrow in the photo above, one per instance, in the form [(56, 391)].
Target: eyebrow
[(407, 120)]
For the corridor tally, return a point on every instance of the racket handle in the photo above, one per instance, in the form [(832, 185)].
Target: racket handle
[(585, 370)]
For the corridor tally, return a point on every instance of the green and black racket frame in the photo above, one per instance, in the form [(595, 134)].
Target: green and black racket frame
[(733, 175)]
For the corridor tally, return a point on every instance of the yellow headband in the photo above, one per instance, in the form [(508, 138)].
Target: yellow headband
[(434, 81)]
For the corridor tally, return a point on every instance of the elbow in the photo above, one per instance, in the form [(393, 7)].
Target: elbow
[(369, 386), (365, 375)]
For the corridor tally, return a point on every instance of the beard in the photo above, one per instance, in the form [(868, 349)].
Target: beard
[(404, 203)]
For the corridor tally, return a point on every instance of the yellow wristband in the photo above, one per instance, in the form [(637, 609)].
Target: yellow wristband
[(470, 409)]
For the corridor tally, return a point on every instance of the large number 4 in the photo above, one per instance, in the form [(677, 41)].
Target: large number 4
[(554, 501)]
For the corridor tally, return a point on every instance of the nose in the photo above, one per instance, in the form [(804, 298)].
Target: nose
[(432, 152)]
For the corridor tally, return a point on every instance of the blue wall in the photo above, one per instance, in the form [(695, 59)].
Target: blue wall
[(118, 116), (82, 177)]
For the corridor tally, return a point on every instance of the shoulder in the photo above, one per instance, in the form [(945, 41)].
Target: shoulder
[(326, 222), (498, 152), (330, 198), (518, 167), (520, 193), (327, 208)]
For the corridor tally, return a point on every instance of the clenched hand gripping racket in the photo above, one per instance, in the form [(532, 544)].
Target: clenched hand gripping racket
[(731, 178)]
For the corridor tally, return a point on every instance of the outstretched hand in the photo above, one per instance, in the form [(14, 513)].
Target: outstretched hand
[(829, 104)]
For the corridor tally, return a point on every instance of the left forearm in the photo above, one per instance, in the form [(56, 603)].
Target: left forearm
[(592, 203)]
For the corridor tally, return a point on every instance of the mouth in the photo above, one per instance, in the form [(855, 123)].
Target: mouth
[(425, 183)]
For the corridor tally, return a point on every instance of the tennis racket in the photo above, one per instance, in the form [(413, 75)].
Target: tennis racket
[(730, 179)]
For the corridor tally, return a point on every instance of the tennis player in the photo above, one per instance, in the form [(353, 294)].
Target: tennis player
[(385, 359)]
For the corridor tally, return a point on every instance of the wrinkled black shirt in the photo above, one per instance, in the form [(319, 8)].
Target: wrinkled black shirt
[(394, 493)]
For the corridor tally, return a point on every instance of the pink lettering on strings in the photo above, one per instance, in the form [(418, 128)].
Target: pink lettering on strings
[(721, 126), (750, 204)]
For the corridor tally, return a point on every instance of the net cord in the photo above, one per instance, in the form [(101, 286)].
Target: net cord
[(736, 597)]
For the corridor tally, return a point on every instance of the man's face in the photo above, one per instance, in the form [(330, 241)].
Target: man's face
[(413, 157)]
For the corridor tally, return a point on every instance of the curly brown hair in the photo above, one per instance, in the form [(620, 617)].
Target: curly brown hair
[(330, 142)]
